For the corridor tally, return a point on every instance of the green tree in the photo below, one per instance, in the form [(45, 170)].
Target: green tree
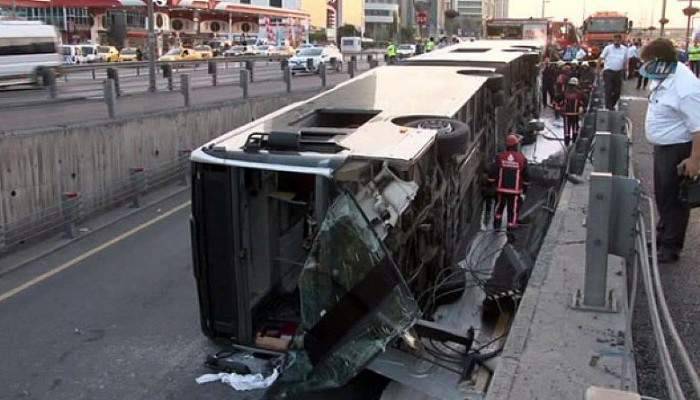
[(348, 30), (318, 36)]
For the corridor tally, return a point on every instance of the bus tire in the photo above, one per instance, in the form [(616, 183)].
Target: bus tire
[(452, 137)]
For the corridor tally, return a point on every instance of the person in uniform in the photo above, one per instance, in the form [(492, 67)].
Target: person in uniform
[(673, 127), (614, 58), (694, 57), (573, 109), (509, 173)]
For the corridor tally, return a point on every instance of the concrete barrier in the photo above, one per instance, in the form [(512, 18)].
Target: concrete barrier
[(38, 166)]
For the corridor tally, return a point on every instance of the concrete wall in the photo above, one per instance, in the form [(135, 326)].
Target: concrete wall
[(36, 167)]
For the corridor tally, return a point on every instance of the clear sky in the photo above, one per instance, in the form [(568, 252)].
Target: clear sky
[(640, 11)]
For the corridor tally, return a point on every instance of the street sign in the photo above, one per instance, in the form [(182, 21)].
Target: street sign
[(422, 18)]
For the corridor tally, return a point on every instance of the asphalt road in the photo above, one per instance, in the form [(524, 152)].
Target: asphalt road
[(80, 99), (681, 281)]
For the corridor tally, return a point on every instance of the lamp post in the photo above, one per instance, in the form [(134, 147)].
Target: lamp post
[(663, 21), (151, 47), (689, 12)]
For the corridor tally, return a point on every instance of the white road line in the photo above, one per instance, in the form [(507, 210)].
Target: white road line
[(89, 253)]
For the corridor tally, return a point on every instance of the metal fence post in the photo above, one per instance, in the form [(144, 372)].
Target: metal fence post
[(110, 97), (322, 73), (3, 241), (138, 71), (50, 81), (244, 79), (309, 64), (211, 66), (184, 161), (284, 64), (185, 88), (250, 66), (113, 73), (373, 64), (93, 74), (351, 67), (70, 201), (288, 79), (138, 183)]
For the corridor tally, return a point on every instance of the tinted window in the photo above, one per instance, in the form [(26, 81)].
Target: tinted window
[(103, 49), (310, 52), (18, 46)]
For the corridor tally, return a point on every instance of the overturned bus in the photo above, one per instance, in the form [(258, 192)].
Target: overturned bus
[(335, 230)]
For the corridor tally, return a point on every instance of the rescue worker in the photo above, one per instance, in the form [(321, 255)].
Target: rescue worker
[(430, 45), (549, 78), (572, 110), (694, 57), (560, 88), (391, 53), (509, 173)]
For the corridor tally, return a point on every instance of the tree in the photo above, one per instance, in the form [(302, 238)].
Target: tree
[(318, 36), (348, 30)]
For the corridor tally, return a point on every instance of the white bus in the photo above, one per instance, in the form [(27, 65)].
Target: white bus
[(26, 49)]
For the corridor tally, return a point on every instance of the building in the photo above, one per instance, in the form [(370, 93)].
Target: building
[(501, 9), (382, 19), (472, 14), (177, 22), (324, 13)]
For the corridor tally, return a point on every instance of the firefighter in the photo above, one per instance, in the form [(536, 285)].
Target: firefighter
[(391, 53), (509, 173), (560, 88), (572, 110)]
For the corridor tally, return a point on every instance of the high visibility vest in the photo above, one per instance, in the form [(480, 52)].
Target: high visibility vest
[(429, 46), (694, 53), (391, 51)]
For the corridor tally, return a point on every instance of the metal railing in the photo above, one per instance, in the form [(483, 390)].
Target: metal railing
[(74, 207)]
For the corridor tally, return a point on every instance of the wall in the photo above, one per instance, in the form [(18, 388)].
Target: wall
[(317, 10), (36, 167)]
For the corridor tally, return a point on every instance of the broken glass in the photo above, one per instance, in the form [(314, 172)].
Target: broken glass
[(353, 303)]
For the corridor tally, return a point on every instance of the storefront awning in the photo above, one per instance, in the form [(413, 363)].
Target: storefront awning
[(247, 9), (85, 3), (25, 3)]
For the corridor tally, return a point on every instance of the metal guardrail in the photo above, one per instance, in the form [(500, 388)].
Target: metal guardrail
[(75, 207)]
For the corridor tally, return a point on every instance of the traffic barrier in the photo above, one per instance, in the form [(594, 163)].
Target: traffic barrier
[(212, 71), (50, 82), (611, 153), (113, 73), (284, 64), (93, 74), (373, 64), (288, 78), (309, 64), (185, 88), (322, 73), (109, 93), (138, 185), (244, 81), (351, 67), (70, 202)]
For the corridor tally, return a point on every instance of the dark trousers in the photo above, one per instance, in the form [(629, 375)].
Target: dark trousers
[(547, 93), (613, 87), (695, 67), (673, 214), (641, 79), (571, 128), (512, 203)]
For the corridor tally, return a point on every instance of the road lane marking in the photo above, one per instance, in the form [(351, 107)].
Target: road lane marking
[(90, 253)]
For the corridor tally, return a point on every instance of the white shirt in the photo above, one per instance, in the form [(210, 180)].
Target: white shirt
[(632, 52), (673, 113), (614, 58), (581, 54)]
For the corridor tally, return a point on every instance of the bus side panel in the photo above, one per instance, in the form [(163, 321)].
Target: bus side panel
[(221, 284)]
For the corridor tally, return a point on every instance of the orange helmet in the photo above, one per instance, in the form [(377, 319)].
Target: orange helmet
[(512, 140)]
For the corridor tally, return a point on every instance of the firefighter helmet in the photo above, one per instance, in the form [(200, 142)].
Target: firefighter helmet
[(573, 81)]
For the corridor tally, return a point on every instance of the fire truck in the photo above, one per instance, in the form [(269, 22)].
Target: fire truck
[(600, 28), (559, 33)]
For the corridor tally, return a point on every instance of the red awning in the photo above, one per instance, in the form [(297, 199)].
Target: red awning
[(86, 3), (26, 3)]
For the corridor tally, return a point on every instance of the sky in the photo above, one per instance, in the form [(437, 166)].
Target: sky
[(640, 11)]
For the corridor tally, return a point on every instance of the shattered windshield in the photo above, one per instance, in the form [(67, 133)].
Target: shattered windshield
[(353, 302)]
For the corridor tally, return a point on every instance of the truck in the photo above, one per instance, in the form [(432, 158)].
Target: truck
[(600, 28)]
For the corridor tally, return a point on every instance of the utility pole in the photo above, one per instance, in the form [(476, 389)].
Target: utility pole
[(14, 9), (663, 21), (151, 48), (543, 1), (689, 12)]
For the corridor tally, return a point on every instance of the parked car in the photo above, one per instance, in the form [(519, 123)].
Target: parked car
[(265, 50), (406, 50), (107, 53), (285, 51), (128, 54), (235, 51), (72, 54), (319, 55), (35, 50), (204, 51), (89, 52), (218, 46), (180, 54), (304, 46)]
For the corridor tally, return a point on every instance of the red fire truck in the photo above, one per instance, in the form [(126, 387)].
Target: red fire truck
[(600, 28)]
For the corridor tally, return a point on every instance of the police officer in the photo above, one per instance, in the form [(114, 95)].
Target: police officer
[(694, 57), (430, 45), (391, 53), (673, 127), (509, 173)]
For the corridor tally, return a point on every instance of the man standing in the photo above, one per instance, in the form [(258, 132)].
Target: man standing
[(694, 57), (673, 127), (614, 58), (391, 53), (572, 110), (509, 173), (430, 45), (632, 60)]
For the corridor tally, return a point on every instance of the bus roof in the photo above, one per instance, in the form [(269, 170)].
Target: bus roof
[(372, 102), (10, 29), (483, 51)]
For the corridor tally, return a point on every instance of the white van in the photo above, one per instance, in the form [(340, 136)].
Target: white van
[(73, 54), (351, 44), (26, 49), (89, 52)]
